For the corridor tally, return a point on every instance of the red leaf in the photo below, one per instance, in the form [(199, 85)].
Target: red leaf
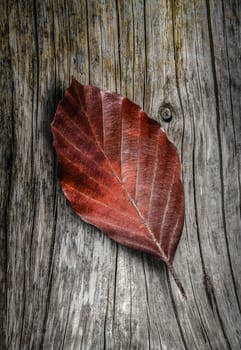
[(119, 170)]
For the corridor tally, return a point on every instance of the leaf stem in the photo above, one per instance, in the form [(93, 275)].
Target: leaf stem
[(177, 280)]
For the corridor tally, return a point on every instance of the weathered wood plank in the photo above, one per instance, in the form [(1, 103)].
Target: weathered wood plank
[(6, 159), (63, 284)]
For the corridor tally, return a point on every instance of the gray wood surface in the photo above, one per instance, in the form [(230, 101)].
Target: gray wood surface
[(63, 284)]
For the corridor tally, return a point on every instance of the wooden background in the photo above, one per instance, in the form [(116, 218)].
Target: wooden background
[(63, 284)]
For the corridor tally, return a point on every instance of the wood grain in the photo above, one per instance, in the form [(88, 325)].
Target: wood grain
[(63, 284)]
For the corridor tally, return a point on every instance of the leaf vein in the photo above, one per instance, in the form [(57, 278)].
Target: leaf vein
[(132, 218)]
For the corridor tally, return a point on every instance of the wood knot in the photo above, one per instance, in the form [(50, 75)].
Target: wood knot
[(165, 112)]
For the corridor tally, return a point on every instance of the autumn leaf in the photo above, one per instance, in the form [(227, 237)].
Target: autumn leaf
[(119, 171)]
